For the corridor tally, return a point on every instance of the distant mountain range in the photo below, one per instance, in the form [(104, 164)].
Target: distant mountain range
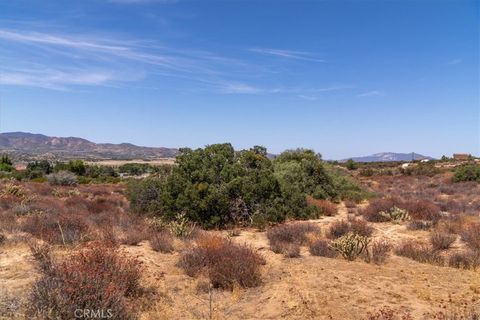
[(390, 156), (27, 146)]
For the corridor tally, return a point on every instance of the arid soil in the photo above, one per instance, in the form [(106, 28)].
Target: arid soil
[(308, 287)]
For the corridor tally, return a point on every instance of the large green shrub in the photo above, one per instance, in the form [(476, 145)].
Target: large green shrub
[(468, 172), (215, 186)]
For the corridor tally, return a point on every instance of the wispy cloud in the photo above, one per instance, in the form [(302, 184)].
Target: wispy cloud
[(372, 93), (306, 97), (109, 55), (241, 88), (61, 61), (454, 61), (289, 54)]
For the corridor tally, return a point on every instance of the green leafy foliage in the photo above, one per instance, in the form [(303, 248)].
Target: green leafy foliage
[(216, 186), (6, 164), (468, 172)]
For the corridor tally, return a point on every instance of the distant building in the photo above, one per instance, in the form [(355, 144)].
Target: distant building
[(461, 156)]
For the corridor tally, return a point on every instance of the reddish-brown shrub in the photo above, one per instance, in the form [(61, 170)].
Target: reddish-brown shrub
[(162, 241), (292, 232), (321, 248), (338, 229), (325, 207), (134, 235), (342, 227), (372, 211), (98, 277), (419, 252), (8, 221), (101, 204), (471, 235), (360, 227), (350, 204), (419, 225), (56, 229), (422, 210), (464, 260), (380, 250), (223, 262), (441, 240)]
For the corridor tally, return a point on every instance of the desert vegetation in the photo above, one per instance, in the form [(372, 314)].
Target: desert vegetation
[(273, 236)]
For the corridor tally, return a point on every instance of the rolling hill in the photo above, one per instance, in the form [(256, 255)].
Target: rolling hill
[(22, 145)]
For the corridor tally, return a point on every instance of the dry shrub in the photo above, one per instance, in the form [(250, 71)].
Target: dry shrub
[(419, 225), (56, 229), (321, 248), (471, 235), (291, 250), (162, 241), (464, 260), (342, 227), (380, 250), (225, 263), (99, 277), (102, 204), (325, 207), (441, 240), (8, 201), (338, 229), (423, 210), (454, 224), (282, 236), (360, 227), (419, 252), (373, 211), (8, 221), (350, 204), (134, 235), (41, 189)]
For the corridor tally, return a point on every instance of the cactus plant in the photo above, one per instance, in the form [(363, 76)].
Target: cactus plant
[(396, 214), (351, 245)]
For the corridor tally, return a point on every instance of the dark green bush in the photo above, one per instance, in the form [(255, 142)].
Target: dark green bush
[(468, 172), (217, 186)]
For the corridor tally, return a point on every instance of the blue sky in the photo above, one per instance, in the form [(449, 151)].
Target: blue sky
[(345, 78)]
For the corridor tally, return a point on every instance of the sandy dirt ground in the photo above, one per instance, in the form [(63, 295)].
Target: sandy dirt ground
[(308, 287)]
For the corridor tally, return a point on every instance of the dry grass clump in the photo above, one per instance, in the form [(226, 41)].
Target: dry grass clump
[(225, 263), (162, 241), (419, 252), (464, 260), (321, 248), (442, 240), (98, 277), (324, 207), (342, 227), (283, 238)]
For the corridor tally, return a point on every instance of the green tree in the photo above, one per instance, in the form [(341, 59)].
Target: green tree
[(351, 165), (6, 164)]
